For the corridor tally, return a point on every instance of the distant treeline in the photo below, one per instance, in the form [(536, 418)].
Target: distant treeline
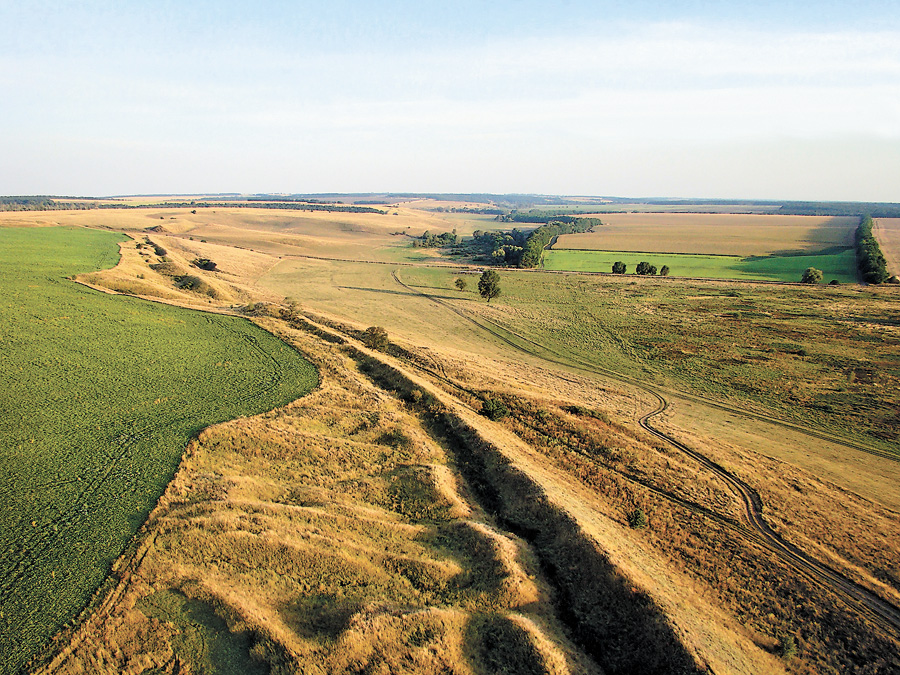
[(42, 204), (869, 258), (289, 206), (873, 209), (51, 204), (484, 211), (515, 247), (548, 217)]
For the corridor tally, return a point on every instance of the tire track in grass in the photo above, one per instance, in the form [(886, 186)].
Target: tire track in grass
[(863, 601)]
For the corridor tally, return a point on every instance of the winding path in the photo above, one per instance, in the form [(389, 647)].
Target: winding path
[(865, 602)]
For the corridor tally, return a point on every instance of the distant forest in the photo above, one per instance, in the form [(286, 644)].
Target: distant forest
[(509, 207)]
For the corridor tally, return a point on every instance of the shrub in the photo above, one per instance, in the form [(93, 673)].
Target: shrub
[(788, 647), (376, 337), (637, 519), (204, 264), (811, 276), (494, 409), (461, 284)]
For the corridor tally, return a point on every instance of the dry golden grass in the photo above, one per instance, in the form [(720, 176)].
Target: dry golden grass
[(333, 533), (716, 234), (887, 232)]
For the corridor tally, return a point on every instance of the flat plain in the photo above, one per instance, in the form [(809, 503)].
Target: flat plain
[(742, 235), (840, 266)]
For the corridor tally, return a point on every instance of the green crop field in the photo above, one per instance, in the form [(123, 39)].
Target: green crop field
[(99, 395), (840, 265)]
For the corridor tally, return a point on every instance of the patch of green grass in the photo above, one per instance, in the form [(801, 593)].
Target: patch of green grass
[(99, 394), (203, 638), (839, 265)]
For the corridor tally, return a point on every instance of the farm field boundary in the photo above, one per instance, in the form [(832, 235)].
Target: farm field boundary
[(100, 395)]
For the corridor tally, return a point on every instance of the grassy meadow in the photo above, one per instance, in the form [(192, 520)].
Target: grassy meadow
[(99, 395), (823, 356), (839, 266)]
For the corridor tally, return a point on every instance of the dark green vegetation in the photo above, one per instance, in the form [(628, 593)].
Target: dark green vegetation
[(43, 204), (514, 247), (811, 276), (99, 395), (872, 265), (489, 285), (838, 264)]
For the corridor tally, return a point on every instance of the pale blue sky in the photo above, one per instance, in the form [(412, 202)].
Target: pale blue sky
[(778, 100)]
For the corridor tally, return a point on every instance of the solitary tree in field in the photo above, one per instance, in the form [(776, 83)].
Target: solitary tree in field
[(461, 284), (811, 276), (376, 337), (489, 285), (618, 267)]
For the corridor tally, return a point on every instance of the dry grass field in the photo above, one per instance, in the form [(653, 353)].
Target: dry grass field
[(887, 232), (382, 525), (714, 234)]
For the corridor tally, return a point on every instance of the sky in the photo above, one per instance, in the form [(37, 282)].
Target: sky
[(682, 99)]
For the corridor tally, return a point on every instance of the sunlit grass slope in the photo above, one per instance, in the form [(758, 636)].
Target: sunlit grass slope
[(99, 395)]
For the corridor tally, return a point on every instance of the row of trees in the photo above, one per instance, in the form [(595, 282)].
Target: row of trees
[(643, 268), (869, 258)]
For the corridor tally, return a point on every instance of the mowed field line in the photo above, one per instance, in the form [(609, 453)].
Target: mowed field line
[(878, 610)]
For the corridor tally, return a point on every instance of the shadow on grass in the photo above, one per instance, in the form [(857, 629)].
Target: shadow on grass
[(617, 625)]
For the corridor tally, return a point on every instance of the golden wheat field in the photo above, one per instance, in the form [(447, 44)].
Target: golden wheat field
[(887, 231), (714, 234), (385, 523)]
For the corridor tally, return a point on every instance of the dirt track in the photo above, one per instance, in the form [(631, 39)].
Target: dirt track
[(864, 602)]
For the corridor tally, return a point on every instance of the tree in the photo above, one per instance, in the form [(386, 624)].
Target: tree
[(618, 267), (489, 285), (643, 267), (664, 272), (376, 337), (461, 284), (651, 270), (811, 276)]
